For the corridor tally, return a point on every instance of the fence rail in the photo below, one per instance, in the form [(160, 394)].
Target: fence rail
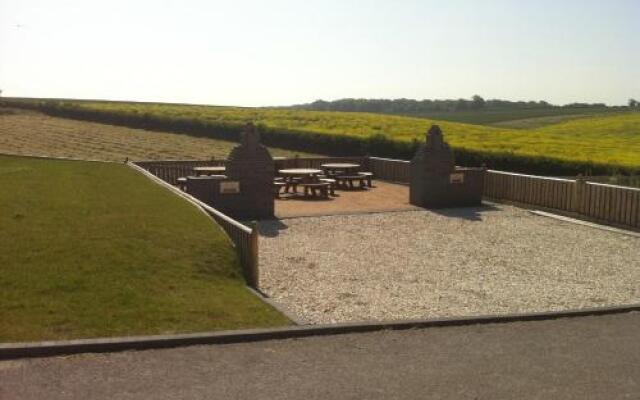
[(170, 171), (616, 204), (528, 189), (610, 204), (316, 162), (390, 170), (244, 238)]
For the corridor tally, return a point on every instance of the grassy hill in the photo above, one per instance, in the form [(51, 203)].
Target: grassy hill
[(89, 250), (602, 144)]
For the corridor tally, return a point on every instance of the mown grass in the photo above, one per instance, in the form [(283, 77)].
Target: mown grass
[(96, 249), (606, 144)]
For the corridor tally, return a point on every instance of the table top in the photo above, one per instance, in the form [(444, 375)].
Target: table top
[(341, 165), (300, 171), (210, 169)]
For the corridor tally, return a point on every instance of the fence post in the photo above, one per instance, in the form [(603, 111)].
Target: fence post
[(253, 273), (578, 194)]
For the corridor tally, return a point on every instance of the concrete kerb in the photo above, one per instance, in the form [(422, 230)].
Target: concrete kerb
[(103, 345), (585, 223), (597, 223)]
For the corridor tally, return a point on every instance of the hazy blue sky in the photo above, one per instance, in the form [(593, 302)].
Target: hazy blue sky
[(281, 52)]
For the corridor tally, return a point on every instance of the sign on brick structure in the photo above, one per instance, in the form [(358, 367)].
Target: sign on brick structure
[(435, 180), (246, 192), (229, 187)]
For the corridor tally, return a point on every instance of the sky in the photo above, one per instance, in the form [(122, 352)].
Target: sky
[(282, 52)]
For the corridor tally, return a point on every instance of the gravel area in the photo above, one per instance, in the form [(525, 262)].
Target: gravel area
[(418, 264)]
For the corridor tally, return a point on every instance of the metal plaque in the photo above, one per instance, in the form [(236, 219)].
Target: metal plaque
[(229, 187), (456, 178)]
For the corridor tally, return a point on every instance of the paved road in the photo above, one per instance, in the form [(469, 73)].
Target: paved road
[(580, 358)]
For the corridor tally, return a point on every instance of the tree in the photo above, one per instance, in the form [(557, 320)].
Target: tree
[(633, 103), (461, 104), (477, 102)]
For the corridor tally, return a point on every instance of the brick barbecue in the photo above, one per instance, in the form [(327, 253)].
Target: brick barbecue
[(435, 180), (246, 192)]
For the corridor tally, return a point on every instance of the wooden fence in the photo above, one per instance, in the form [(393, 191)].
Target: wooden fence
[(391, 170), (617, 205), (539, 191), (316, 162), (244, 238), (609, 204), (170, 171)]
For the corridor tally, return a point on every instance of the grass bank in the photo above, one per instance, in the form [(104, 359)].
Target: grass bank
[(95, 249), (599, 145)]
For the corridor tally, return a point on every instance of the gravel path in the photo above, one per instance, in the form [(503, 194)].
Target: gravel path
[(418, 264)]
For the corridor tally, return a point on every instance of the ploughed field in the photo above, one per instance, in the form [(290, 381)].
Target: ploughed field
[(612, 141), (454, 262), (88, 249), (25, 132)]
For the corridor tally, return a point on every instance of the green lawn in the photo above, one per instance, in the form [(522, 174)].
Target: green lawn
[(96, 249)]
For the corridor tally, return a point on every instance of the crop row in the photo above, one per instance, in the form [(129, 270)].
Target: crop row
[(376, 144)]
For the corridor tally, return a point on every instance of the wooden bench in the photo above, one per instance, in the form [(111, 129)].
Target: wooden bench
[(292, 183), (345, 180), (277, 185), (182, 183), (368, 176), (332, 185), (315, 187)]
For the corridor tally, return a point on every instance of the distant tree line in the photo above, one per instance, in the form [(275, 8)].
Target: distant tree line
[(410, 106)]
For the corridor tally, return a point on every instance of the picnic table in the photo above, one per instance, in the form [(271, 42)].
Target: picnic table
[(347, 173), (305, 177), (340, 168), (299, 172), (209, 170)]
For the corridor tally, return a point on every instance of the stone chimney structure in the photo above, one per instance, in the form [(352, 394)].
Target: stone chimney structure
[(246, 192), (252, 166), (435, 180)]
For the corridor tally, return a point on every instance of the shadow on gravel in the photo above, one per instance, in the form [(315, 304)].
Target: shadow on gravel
[(271, 228), (468, 213)]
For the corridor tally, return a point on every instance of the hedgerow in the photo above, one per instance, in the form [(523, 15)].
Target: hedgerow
[(227, 124)]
